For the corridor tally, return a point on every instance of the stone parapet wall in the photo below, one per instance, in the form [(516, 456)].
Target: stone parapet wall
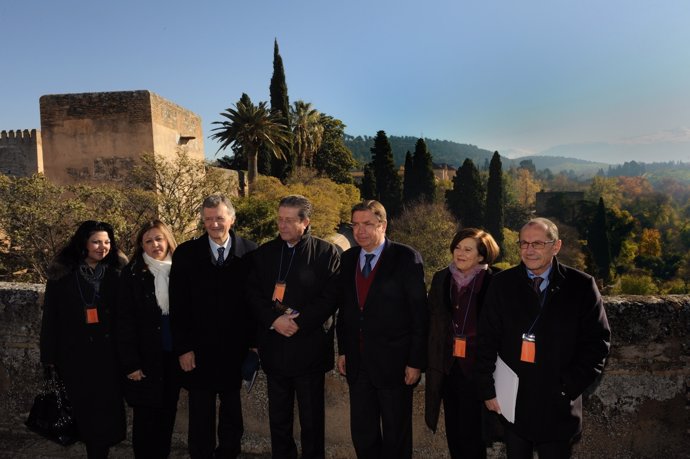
[(638, 410), (21, 153)]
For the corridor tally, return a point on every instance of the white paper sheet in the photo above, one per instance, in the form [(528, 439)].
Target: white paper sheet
[(506, 383)]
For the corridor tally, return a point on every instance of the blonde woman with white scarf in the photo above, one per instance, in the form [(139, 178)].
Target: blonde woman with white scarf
[(152, 382)]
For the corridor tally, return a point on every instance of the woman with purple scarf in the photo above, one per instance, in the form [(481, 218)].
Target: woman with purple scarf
[(455, 301)]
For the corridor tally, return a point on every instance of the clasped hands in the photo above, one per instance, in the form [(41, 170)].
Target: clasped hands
[(286, 325)]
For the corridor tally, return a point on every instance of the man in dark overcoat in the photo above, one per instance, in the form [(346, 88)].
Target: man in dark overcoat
[(382, 334), (547, 322), (212, 328), (293, 295)]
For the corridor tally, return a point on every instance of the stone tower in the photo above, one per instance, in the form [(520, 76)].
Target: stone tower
[(98, 136), (21, 154)]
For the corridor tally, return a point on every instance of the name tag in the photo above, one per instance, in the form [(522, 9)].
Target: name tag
[(459, 346), (529, 348), (91, 315), (279, 291)]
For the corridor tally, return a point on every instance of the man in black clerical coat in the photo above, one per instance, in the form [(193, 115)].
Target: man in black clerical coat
[(293, 295)]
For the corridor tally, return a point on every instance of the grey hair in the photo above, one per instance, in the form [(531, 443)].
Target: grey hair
[(299, 202), (548, 225), (214, 200)]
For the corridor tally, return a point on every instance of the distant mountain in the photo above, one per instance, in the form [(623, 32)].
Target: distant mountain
[(443, 151), (454, 154), (662, 146)]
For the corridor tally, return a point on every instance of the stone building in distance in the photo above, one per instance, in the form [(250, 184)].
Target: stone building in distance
[(97, 137), (21, 153)]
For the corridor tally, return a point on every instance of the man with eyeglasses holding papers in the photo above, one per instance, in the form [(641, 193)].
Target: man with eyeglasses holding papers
[(547, 322)]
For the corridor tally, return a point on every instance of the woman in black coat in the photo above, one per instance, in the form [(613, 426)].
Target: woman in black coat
[(152, 384), (455, 302), (77, 333)]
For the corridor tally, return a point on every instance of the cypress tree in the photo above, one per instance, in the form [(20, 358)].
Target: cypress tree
[(280, 104), (424, 172), (409, 191), (466, 200), (388, 185), (494, 200), (598, 242), (368, 188)]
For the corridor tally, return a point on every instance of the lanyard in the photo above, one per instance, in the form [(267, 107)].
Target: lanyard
[(88, 304), (542, 298), (280, 266), (469, 301)]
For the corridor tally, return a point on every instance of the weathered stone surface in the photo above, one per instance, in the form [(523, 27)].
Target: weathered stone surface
[(638, 410)]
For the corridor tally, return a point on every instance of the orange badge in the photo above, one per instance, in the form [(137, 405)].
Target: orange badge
[(529, 349), (279, 291), (92, 316), (459, 346)]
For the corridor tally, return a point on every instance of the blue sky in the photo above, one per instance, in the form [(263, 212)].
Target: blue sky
[(520, 77)]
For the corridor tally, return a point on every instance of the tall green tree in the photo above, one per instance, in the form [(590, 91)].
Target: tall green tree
[(307, 132), (388, 184), (598, 242), (494, 200), (466, 200), (368, 187), (333, 158), (280, 105), (409, 186), (424, 172), (252, 127)]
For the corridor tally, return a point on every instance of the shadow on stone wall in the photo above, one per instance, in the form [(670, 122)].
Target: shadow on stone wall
[(640, 408)]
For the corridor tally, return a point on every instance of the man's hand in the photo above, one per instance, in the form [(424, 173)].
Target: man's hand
[(285, 325), (137, 375), (187, 362), (412, 375), (492, 405), (341, 365)]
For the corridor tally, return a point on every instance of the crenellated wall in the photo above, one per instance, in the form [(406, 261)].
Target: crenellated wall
[(640, 408), (21, 152)]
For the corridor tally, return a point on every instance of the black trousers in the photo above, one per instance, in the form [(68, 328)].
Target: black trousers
[(309, 390), (380, 419), (462, 409), (521, 448), (152, 427), (202, 424)]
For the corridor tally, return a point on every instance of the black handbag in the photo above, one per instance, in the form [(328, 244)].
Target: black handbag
[(51, 414)]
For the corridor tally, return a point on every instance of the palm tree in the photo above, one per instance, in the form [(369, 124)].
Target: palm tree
[(252, 128), (307, 131)]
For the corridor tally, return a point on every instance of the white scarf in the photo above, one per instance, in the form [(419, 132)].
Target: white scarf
[(161, 276)]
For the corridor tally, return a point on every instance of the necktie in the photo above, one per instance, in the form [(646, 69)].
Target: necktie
[(220, 259), (536, 284), (367, 265)]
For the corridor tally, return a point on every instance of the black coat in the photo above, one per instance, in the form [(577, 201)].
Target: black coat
[(572, 343), (440, 349), (85, 354), (393, 324), (139, 337), (209, 312), (311, 290)]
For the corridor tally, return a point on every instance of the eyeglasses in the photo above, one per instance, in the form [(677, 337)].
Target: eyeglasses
[(368, 226), (536, 245)]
